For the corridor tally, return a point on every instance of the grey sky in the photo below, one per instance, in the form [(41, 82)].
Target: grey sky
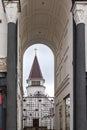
[(46, 62)]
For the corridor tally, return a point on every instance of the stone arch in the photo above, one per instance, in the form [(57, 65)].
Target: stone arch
[(42, 23), (47, 43), (50, 23), (45, 60)]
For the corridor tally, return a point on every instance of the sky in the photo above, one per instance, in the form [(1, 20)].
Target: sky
[(46, 61)]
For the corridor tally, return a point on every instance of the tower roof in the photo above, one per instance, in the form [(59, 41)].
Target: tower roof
[(35, 70)]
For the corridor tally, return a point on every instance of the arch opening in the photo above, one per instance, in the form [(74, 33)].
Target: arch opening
[(51, 24), (38, 69), (46, 61)]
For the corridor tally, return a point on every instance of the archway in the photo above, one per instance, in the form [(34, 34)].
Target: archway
[(40, 92), (46, 61), (50, 22)]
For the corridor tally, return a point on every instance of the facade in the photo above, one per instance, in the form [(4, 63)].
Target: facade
[(38, 108), (61, 25)]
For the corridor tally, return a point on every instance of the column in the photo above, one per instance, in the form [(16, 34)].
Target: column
[(80, 119), (11, 13), (12, 77)]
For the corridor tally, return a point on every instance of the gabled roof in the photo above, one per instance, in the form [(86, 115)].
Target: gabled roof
[(35, 70)]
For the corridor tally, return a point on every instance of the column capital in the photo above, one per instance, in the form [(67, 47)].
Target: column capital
[(80, 12), (11, 9)]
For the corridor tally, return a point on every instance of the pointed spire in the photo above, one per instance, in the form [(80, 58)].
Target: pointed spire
[(35, 69)]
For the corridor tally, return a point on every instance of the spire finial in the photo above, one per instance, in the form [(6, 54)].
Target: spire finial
[(35, 51)]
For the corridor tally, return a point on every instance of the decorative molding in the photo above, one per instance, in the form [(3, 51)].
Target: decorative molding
[(80, 12), (3, 64), (63, 85)]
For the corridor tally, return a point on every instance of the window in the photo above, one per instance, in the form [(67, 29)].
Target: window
[(35, 83)]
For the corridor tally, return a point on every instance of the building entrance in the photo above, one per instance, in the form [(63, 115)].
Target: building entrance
[(36, 123)]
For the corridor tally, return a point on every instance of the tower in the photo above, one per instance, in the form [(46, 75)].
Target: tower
[(37, 106), (35, 80)]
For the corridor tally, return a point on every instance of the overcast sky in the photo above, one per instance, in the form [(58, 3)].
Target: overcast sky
[(46, 62)]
